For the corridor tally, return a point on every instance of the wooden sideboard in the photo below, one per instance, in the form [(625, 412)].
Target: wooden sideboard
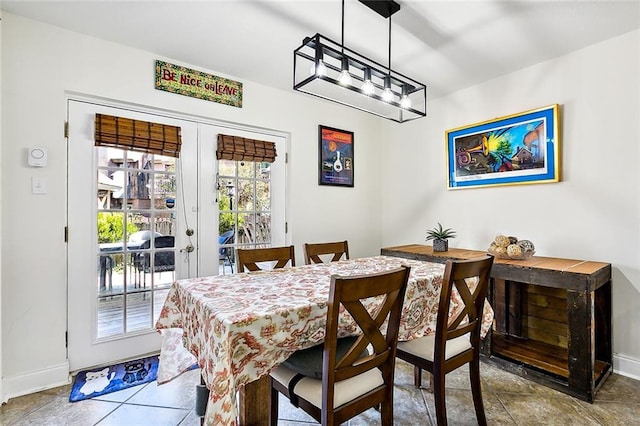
[(552, 317)]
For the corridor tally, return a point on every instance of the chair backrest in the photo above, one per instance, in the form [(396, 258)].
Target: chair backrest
[(164, 241), (312, 252), (249, 258), (470, 278), (162, 260), (226, 238), (379, 331)]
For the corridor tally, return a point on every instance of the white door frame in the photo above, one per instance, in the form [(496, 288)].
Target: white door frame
[(85, 348)]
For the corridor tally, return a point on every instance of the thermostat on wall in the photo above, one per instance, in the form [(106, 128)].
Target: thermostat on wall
[(37, 157)]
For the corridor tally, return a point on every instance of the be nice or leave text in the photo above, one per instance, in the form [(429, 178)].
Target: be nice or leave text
[(189, 80)]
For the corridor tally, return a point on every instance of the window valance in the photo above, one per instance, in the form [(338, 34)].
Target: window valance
[(137, 135), (243, 149)]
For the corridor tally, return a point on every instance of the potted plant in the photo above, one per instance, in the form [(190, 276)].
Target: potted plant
[(440, 237)]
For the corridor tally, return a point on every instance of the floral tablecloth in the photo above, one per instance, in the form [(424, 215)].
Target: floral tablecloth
[(239, 327)]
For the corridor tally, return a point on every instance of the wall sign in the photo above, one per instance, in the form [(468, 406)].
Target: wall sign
[(185, 81)]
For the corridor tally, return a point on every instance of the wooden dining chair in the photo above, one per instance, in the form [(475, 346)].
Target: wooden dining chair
[(340, 378), (312, 252), (249, 258), (457, 339)]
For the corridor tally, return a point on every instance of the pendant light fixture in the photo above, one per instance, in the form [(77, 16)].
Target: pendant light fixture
[(344, 76)]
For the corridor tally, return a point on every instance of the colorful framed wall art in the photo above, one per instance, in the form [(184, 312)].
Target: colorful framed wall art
[(335, 154), (522, 148)]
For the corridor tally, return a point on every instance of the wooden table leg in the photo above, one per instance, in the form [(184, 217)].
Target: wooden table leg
[(254, 403)]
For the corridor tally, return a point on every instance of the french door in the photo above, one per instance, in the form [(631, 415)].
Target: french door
[(127, 222), (247, 200), (138, 221)]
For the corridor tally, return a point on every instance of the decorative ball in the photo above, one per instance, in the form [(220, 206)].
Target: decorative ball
[(527, 246), (512, 240), (501, 241), (514, 250), (500, 251)]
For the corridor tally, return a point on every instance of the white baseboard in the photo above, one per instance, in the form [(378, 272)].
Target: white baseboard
[(35, 381), (626, 366), (58, 375)]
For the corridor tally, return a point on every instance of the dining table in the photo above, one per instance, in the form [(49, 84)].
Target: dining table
[(239, 327)]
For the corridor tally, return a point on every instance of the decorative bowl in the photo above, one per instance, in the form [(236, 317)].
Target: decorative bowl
[(525, 254)]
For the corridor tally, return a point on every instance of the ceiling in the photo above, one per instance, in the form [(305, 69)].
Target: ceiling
[(447, 45)]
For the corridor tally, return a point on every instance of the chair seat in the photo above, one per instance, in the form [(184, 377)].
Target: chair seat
[(162, 268), (308, 362), (347, 390), (424, 347)]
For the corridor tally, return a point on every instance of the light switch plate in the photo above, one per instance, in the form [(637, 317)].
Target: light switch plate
[(38, 185)]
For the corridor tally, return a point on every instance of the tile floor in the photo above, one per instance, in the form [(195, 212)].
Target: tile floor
[(509, 400)]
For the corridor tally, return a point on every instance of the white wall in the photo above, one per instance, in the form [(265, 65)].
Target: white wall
[(592, 214), (40, 65)]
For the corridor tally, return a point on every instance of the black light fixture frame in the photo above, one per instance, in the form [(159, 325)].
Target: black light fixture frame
[(384, 8), (333, 55)]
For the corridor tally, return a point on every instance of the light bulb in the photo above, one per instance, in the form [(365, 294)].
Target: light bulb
[(387, 95), (367, 87), (321, 69), (405, 102), (345, 77)]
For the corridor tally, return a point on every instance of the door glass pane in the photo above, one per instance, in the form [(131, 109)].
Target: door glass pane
[(138, 160), (246, 236), (164, 224), (263, 224), (138, 312), (246, 169), (139, 190), (244, 205), (246, 195), (110, 316), (111, 230), (110, 157), (263, 198), (227, 168), (165, 187), (136, 243)]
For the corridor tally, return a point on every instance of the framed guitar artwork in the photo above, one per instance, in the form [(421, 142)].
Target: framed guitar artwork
[(335, 154), (517, 149)]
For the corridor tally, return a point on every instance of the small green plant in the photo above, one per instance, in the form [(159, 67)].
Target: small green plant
[(440, 233), (111, 227)]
